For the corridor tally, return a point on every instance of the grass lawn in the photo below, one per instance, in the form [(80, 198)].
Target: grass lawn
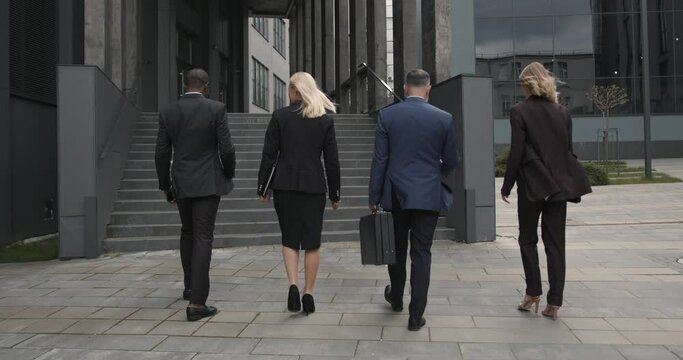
[(46, 248), (621, 174)]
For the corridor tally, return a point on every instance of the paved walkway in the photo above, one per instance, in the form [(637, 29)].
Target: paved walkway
[(624, 299)]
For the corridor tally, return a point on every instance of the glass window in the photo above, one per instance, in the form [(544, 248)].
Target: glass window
[(611, 6), (261, 25), (260, 85), (662, 95), (492, 8), (679, 94), (279, 38), (533, 36), (574, 46), (656, 5), (493, 46), (614, 44), (503, 98), (678, 41), (279, 93), (573, 95), (662, 43), (533, 7), (573, 7)]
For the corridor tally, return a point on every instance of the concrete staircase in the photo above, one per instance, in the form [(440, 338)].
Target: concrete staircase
[(142, 220)]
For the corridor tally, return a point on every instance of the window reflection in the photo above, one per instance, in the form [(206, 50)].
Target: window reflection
[(573, 96), (614, 42), (492, 8), (533, 36), (611, 6), (533, 7), (573, 7)]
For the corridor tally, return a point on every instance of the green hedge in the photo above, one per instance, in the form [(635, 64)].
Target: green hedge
[(596, 172)]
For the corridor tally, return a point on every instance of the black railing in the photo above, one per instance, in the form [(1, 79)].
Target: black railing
[(364, 67), (362, 76)]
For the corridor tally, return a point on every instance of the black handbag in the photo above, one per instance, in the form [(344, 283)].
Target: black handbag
[(377, 243)]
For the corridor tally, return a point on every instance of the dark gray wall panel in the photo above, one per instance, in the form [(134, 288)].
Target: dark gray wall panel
[(5, 129)]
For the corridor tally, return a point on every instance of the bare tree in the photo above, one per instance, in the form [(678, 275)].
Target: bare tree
[(605, 99)]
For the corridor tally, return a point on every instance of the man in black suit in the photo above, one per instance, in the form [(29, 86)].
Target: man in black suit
[(194, 133)]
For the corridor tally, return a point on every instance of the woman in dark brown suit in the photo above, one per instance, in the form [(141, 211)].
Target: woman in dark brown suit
[(296, 137), (547, 173)]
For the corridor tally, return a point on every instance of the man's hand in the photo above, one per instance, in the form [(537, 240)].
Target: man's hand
[(336, 205), (374, 208), (505, 198), (170, 196), (264, 199)]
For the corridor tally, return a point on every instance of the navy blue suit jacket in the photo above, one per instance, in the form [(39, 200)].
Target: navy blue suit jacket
[(415, 147)]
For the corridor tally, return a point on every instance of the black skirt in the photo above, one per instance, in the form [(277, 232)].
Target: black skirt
[(301, 218)]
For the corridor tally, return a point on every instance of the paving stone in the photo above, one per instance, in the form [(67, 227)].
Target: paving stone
[(600, 337), (401, 333), (527, 322), (112, 313), (74, 312), (216, 329), (298, 319), (475, 335), (133, 327), (669, 324), (180, 328), (8, 311), (654, 337), (71, 354), (486, 352), (93, 342), (9, 340), (408, 349), (388, 319), (633, 324), (207, 345), (48, 326), (306, 347), (15, 325), (84, 292), (312, 332), (587, 323), (37, 312), (20, 354), (244, 357), (640, 352), (152, 314), (565, 352), (90, 326)]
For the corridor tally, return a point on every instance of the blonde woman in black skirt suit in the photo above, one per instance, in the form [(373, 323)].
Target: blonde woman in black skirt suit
[(296, 137)]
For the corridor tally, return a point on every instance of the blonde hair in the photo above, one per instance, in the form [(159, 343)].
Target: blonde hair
[(314, 103), (539, 81)]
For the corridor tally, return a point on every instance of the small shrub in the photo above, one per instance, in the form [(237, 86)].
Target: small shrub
[(596, 173), (501, 161)]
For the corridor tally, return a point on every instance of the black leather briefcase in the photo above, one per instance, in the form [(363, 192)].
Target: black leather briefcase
[(377, 243)]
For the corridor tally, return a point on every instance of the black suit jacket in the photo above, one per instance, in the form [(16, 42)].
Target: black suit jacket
[(542, 155), (299, 142), (194, 133)]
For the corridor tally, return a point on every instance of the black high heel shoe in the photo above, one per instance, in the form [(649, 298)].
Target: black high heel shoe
[(308, 303), (293, 302)]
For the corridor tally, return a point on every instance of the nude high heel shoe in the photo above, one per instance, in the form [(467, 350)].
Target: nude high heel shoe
[(528, 302), (551, 311)]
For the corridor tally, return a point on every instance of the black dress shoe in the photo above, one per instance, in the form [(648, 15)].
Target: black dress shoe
[(414, 325), (398, 307), (194, 313), (293, 301), (308, 303), (187, 294)]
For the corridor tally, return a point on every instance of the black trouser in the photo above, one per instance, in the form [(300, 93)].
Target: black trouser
[(553, 233), (198, 216), (421, 225)]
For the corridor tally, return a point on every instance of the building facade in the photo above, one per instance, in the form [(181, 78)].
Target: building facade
[(268, 64)]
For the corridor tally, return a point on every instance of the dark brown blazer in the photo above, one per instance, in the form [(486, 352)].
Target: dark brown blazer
[(296, 143), (541, 154)]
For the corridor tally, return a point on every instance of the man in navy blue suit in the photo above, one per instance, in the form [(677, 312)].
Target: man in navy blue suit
[(415, 146)]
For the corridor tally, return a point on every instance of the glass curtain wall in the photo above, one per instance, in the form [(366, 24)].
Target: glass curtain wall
[(584, 42)]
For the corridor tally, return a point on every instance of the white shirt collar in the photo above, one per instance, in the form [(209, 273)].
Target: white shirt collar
[(193, 93)]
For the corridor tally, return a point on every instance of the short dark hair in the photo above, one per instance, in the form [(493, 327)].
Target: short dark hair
[(417, 78), (195, 78)]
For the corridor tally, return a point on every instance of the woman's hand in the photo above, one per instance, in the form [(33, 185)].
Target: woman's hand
[(505, 198), (336, 205)]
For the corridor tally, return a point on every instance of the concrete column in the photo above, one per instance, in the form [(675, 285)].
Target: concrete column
[(357, 50), (436, 35), (96, 33), (307, 33), (149, 42), (6, 232), (300, 36), (293, 51), (70, 15), (214, 37), (377, 52), (166, 46), (318, 38), (116, 42), (462, 35), (406, 51), (131, 50), (328, 46), (341, 38)]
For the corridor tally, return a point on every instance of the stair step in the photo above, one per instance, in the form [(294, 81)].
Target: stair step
[(158, 204), (172, 242), (258, 147), (240, 173), (152, 182), (244, 140), (256, 155), (148, 190)]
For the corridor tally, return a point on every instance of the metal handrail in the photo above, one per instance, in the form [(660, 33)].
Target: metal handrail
[(377, 78)]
